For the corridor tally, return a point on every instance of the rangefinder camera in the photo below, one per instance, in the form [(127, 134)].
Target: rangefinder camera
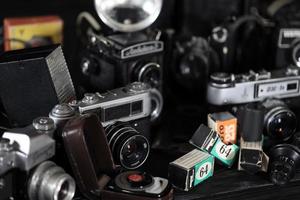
[(25, 169), (137, 103), (227, 89)]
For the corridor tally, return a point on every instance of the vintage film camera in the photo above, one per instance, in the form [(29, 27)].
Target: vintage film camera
[(287, 32), (25, 169), (228, 89), (137, 103), (190, 62), (234, 39), (93, 165), (125, 113), (112, 61)]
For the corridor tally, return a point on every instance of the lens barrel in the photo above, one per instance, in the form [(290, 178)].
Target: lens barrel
[(50, 182), (129, 148), (280, 122), (149, 73)]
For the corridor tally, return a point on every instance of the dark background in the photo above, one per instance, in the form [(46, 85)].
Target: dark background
[(192, 16), (188, 17)]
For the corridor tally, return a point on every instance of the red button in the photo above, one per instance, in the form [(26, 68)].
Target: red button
[(135, 178)]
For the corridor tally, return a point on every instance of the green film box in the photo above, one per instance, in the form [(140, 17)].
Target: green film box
[(191, 169), (208, 140), (227, 154)]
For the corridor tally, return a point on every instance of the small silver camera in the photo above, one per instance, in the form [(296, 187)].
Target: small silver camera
[(24, 154), (227, 89), (135, 101), (126, 115)]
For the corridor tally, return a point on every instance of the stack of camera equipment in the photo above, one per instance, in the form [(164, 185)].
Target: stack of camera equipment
[(128, 54), (56, 146)]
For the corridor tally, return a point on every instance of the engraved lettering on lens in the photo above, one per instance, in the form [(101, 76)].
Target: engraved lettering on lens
[(203, 171)]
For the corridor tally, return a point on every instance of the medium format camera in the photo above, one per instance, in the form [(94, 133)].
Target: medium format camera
[(114, 60), (94, 169), (25, 169), (228, 89)]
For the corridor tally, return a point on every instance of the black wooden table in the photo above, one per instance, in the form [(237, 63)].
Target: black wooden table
[(228, 183)]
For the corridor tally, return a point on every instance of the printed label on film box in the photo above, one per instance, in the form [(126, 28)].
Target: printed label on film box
[(225, 124)]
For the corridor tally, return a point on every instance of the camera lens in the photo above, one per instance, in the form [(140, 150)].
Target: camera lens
[(296, 54), (50, 182), (281, 123), (149, 73), (129, 148), (284, 160)]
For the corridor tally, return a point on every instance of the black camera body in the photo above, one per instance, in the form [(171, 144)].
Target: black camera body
[(287, 33), (288, 47), (114, 61)]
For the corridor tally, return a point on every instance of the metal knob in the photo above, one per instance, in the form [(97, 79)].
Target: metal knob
[(43, 124)]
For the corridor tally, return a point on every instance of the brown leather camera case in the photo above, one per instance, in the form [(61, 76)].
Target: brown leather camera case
[(89, 154), (91, 159)]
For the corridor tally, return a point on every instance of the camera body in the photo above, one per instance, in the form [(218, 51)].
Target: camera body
[(116, 60), (226, 89), (288, 47), (192, 59), (25, 169), (287, 33), (94, 168), (131, 104)]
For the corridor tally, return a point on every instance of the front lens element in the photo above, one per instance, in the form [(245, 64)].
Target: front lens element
[(129, 148), (282, 125)]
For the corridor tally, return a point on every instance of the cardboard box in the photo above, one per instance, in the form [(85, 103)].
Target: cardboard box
[(191, 169), (26, 32), (225, 124)]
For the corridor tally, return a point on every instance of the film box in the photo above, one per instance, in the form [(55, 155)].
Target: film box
[(225, 124), (26, 32), (191, 169), (206, 139)]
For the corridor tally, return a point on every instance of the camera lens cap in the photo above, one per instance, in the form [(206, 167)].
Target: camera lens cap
[(285, 159)]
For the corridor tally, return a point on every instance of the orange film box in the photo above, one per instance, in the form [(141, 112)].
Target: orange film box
[(26, 32), (225, 124)]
